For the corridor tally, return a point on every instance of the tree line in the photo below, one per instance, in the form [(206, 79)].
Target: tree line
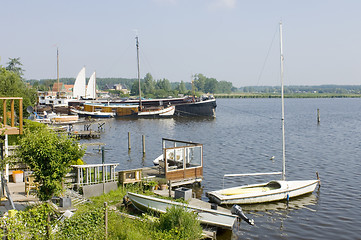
[(150, 87), (323, 89)]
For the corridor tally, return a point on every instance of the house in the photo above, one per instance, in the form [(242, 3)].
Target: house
[(121, 88)]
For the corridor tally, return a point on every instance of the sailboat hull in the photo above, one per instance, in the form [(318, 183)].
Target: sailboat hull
[(261, 193)]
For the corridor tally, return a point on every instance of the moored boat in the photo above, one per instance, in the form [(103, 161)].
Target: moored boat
[(273, 190), (157, 111), (92, 114), (204, 107), (220, 218), (261, 193)]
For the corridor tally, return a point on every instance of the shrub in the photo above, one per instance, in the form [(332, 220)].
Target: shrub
[(180, 223)]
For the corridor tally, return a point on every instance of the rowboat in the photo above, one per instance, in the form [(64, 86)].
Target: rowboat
[(221, 217), (271, 191)]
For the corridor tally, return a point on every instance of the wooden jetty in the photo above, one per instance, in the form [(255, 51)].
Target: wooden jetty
[(85, 134)]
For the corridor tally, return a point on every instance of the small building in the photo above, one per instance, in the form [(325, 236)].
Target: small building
[(121, 88)]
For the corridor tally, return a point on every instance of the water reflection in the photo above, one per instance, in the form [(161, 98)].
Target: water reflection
[(283, 206), (274, 214)]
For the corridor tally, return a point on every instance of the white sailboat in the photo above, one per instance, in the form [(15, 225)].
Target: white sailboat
[(91, 88), (270, 191), (79, 89)]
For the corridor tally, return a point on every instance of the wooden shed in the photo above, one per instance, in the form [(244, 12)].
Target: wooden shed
[(182, 160)]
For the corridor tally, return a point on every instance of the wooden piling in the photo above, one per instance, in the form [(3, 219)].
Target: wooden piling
[(143, 140), (169, 188), (106, 219), (129, 147), (318, 115)]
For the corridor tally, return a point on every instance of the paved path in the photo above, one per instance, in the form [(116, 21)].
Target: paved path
[(18, 195)]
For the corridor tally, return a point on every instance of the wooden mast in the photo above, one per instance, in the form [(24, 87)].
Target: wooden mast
[(140, 92), (57, 71)]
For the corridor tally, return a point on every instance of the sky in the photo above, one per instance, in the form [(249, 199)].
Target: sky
[(229, 40)]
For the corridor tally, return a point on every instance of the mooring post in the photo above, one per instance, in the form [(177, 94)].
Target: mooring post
[(106, 219), (129, 147), (169, 188), (143, 140), (318, 115), (103, 169)]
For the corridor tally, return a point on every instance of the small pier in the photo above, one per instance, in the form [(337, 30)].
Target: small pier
[(85, 134), (180, 164)]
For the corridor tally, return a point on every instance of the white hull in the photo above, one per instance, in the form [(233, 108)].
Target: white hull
[(206, 216), (260, 193), (93, 114), (163, 112)]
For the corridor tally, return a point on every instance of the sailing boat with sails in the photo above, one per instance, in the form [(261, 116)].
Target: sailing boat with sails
[(81, 90), (270, 191), (91, 88)]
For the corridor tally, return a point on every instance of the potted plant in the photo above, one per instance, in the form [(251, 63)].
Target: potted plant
[(162, 182), (152, 184)]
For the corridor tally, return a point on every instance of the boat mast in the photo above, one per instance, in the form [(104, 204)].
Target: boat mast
[(140, 93), (94, 89), (57, 71), (283, 110)]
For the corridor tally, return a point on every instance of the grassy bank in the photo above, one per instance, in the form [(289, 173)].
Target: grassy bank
[(293, 95), (88, 222)]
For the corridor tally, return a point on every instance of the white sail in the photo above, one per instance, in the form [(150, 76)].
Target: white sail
[(79, 85), (90, 91)]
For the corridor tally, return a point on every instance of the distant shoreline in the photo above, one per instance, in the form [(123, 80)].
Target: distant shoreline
[(292, 95)]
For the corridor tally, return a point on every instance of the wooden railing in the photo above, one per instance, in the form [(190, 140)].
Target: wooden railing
[(11, 130)]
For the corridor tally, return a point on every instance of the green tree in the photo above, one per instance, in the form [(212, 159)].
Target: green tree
[(11, 85), (211, 85), (164, 84), (49, 156), (14, 65), (149, 84), (199, 81), (182, 88), (225, 87), (135, 88)]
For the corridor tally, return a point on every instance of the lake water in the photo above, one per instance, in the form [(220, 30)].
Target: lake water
[(243, 138)]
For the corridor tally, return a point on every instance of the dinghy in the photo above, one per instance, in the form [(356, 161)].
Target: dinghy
[(270, 191), (220, 218)]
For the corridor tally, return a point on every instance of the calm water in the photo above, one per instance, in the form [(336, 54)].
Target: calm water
[(243, 138)]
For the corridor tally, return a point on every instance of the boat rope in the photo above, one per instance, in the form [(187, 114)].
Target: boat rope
[(268, 53), (248, 112)]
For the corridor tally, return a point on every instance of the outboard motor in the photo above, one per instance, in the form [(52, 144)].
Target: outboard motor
[(238, 211)]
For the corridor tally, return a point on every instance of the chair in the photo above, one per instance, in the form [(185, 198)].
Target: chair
[(30, 184)]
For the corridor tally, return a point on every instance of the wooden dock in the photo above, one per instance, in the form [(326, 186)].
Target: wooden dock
[(154, 173), (85, 134)]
